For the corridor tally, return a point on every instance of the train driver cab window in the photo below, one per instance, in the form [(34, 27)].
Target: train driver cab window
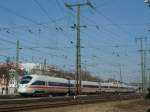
[(25, 80), (38, 83)]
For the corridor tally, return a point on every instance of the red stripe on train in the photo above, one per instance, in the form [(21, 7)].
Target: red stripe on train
[(47, 87), (39, 87)]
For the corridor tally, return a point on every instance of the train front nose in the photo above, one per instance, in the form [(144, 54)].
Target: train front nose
[(24, 85), (22, 88)]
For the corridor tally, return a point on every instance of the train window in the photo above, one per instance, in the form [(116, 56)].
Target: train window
[(72, 85), (50, 83), (57, 84), (25, 80), (91, 86), (104, 86), (38, 83), (113, 87), (64, 84)]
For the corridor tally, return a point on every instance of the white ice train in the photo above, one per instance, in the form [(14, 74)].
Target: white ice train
[(40, 84)]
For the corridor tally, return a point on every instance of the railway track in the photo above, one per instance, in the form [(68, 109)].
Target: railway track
[(10, 105), (10, 96)]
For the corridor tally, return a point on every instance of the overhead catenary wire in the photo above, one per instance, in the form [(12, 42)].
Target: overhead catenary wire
[(19, 15), (13, 12), (43, 9), (29, 48), (112, 36), (113, 23), (23, 17), (108, 19), (115, 34), (98, 26), (110, 32)]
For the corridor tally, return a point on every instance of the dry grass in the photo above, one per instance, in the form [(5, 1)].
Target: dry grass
[(134, 106)]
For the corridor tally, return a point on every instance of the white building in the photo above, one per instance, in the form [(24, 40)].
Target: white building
[(28, 66)]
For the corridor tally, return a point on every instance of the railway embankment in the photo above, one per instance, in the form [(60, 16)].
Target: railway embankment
[(134, 105), (18, 104)]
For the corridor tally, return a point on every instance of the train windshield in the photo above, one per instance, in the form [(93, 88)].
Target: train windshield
[(25, 80)]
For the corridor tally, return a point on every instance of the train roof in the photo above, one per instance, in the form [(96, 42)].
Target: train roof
[(86, 83), (117, 85), (108, 84), (90, 83), (48, 78)]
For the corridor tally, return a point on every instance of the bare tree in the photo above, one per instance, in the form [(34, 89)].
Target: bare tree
[(5, 72)]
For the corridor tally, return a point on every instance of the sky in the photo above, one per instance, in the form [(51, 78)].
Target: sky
[(44, 29)]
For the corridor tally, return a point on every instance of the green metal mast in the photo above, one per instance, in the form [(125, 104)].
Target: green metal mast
[(17, 63), (142, 63), (149, 80), (78, 54), (120, 73), (78, 57), (145, 73)]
